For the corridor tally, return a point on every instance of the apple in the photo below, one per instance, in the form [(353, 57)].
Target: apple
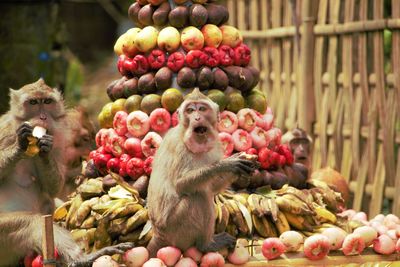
[(272, 247), (133, 148), (384, 245), (230, 36), (169, 39), (105, 261), (192, 38), (367, 233), (212, 259), (239, 256), (336, 237), (135, 257), (353, 244), (169, 255), (316, 247), (186, 262), (154, 262), (146, 39), (292, 240), (212, 35), (128, 46), (194, 254)]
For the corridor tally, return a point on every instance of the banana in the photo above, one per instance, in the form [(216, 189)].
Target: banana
[(127, 210), (88, 223), (117, 226), (84, 210), (324, 215), (297, 221), (120, 180), (223, 219), (61, 212), (241, 198), (130, 237), (237, 216), (270, 228), (273, 208), (265, 208), (139, 218), (101, 237), (71, 216), (259, 226), (282, 224), (253, 202), (292, 204), (246, 216)]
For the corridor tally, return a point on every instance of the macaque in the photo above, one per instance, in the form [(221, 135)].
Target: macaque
[(29, 183), (300, 145), (188, 171)]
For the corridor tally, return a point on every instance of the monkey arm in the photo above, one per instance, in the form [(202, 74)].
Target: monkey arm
[(9, 157), (50, 176)]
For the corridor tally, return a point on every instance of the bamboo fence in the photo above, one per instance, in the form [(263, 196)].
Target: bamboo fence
[(333, 68)]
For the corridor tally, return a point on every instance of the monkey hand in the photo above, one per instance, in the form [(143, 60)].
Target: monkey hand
[(45, 144), (238, 165), (23, 132)]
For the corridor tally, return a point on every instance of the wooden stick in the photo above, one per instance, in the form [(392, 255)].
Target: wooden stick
[(48, 242)]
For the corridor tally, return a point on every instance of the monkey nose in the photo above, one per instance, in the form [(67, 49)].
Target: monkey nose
[(43, 117)]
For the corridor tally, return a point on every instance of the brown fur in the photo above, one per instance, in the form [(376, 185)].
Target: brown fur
[(183, 184)]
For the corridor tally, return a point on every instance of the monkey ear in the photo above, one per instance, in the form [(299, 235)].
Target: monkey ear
[(13, 95)]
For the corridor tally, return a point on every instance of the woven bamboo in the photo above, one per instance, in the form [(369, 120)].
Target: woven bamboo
[(326, 67)]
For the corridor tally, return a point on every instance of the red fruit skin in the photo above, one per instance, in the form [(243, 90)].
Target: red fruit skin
[(264, 157), (160, 120), (93, 154), (242, 55), (174, 119), (140, 118), (285, 151), (130, 66), (212, 259), (133, 148), (38, 261), (247, 119), (28, 259), (238, 137), (121, 66), (252, 151), (122, 164), (147, 165), (176, 61), (225, 127), (156, 59), (274, 137), (142, 65), (113, 165), (150, 143), (272, 248), (100, 161), (213, 57), (226, 55), (99, 137), (169, 255), (194, 254), (258, 136), (316, 247), (107, 140), (119, 122), (383, 244), (117, 145), (134, 168), (353, 244), (195, 59), (227, 143), (398, 246)]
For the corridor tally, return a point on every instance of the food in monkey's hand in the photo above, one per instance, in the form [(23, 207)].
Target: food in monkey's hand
[(37, 133)]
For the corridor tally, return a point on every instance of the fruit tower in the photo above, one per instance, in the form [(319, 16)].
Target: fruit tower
[(174, 47)]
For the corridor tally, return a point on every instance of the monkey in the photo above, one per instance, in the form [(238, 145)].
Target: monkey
[(300, 144), (188, 171), (28, 184)]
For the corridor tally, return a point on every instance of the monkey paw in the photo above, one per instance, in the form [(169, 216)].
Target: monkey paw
[(23, 132), (45, 144)]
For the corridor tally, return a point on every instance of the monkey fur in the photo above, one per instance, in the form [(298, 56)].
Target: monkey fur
[(188, 171), (28, 185)]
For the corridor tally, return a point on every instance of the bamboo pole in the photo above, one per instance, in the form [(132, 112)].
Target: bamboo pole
[(305, 106), (48, 242)]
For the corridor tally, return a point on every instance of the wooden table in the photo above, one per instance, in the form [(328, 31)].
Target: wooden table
[(335, 258)]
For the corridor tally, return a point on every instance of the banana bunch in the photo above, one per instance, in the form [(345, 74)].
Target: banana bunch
[(232, 214), (98, 218)]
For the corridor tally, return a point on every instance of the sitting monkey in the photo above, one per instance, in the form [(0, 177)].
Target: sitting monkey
[(29, 183), (188, 171)]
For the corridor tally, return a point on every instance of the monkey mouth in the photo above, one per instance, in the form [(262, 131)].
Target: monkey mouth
[(301, 158), (200, 130)]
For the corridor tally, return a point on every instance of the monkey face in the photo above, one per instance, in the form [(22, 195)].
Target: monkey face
[(300, 149), (200, 122)]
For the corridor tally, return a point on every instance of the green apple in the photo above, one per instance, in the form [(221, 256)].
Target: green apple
[(169, 39)]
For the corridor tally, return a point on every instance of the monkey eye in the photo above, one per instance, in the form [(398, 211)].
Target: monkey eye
[(33, 101), (189, 110), (202, 108), (48, 101)]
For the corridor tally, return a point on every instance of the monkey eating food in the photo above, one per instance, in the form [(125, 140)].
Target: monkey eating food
[(188, 171), (29, 181)]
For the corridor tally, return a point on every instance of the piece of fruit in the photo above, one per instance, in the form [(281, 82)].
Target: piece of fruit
[(174, 119), (145, 15), (148, 165), (221, 80), (274, 136), (235, 102), (130, 87), (186, 262), (150, 102), (147, 84), (240, 255), (138, 123), (134, 168), (160, 15), (171, 99), (205, 79), (141, 65), (218, 97), (192, 38), (398, 246), (316, 247), (227, 143), (353, 244), (133, 12), (176, 61), (118, 45), (146, 39), (194, 254), (123, 160), (195, 59), (336, 237), (133, 147), (113, 165), (228, 122), (259, 137), (226, 55), (231, 36), (135, 257), (239, 77), (217, 14), (117, 145), (132, 103), (367, 233), (272, 248), (156, 2), (99, 137), (169, 255), (186, 78), (154, 262), (242, 55), (150, 143), (257, 103), (128, 46), (169, 39), (160, 120), (212, 35), (105, 261), (121, 65), (212, 58), (163, 78), (285, 151), (292, 240), (212, 259), (156, 59), (241, 140), (383, 244), (197, 15), (247, 119), (179, 16), (119, 122)]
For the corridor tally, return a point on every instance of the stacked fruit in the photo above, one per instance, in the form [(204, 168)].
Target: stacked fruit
[(103, 212)]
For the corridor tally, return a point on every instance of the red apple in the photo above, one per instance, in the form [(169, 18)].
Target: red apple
[(160, 120), (272, 248), (133, 147), (316, 247), (212, 259), (169, 255), (136, 257), (194, 254), (113, 165), (192, 38), (353, 244)]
